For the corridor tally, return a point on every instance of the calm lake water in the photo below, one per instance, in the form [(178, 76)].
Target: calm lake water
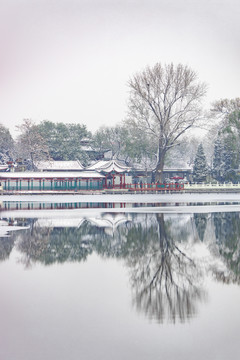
[(125, 280)]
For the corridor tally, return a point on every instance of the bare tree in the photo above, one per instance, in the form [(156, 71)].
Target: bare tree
[(225, 107), (111, 138), (31, 145), (165, 101)]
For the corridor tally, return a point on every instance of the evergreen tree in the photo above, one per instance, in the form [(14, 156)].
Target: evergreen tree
[(229, 113), (201, 224), (64, 140), (225, 158), (217, 170), (229, 159), (200, 169)]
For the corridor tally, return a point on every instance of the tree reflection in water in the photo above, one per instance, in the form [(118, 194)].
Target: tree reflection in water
[(227, 240), (166, 281), (32, 244), (167, 277), (6, 246), (50, 245)]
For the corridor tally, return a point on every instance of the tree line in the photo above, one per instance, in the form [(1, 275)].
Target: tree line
[(165, 113), (165, 281)]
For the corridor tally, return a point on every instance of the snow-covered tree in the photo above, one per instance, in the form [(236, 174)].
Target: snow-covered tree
[(230, 161), (127, 142), (31, 145), (200, 169), (64, 140), (217, 166), (165, 102), (6, 145), (113, 138), (228, 128), (184, 154), (225, 158)]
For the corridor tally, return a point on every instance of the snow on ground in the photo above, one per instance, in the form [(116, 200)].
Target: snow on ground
[(4, 230), (76, 213), (129, 198), (179, 203)]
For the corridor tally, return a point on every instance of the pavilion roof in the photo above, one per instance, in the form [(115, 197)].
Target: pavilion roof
[(3, 167), (109, 166), (108, 220)]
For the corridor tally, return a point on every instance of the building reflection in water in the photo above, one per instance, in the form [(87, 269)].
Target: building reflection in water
[(168, 256)]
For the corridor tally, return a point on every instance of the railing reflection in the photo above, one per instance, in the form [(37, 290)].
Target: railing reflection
[(23, 205), (162, 252)]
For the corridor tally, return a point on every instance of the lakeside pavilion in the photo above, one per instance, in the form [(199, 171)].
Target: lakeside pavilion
[(115, 173)]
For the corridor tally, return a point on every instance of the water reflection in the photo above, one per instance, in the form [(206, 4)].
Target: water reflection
[(168, 256), (166, 281)]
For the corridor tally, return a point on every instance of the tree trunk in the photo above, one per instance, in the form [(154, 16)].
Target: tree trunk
[(159, 168), (162, 232)]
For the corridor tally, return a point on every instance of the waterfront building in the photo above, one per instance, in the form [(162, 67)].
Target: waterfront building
[(53, 165), (51, 180), (116, 173)]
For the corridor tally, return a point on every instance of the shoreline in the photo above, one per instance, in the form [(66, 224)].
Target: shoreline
[(221, 190), (180, 197)]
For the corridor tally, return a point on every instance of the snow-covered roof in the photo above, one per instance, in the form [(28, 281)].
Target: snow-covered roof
[(5, 230), (109, 166), (3, 167), (87, 148), (108, 220), (60, 222), (97, 165), (111, 221), (53, 165), (51, 175)]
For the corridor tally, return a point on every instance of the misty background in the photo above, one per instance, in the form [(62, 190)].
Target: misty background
[(70, 61)]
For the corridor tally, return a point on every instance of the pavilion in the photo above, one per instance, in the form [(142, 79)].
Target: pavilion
[(115, 173)]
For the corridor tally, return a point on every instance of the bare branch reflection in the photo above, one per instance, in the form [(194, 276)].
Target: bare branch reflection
[(32, 244), (6, 246), (167, 283), (168, 255)]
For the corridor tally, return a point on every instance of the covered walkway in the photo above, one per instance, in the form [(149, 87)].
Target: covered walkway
[(30, 181)]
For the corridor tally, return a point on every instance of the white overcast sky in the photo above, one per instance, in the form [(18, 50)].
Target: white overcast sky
[(70, 60)]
